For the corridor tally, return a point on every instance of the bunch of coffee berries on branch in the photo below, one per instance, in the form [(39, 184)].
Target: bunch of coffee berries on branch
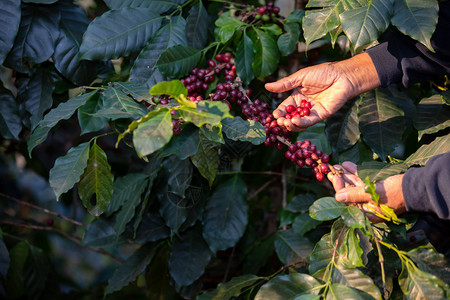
[(264, 13)]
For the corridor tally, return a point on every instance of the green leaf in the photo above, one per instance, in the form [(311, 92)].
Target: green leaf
[(341, 292), (425, 152), (417, 284), (354, 217), (326, 208), (349, 249), (432, 115), (172, 88), (151, 229), (118, 33), (206, 113), (354, 278), (288, 287), (266, 56), (321, 254), (96, 181), (376, 170), (364, 25), (131, 268), (431, 261), (183, 145), (170, 35), (292, 248), (212, 133), (230, 289), (272, 29), (370, 187), (36, 38), (287, 42), (157, 6), (304, 223), (245, 55), (62, 112), (417, 19), (86, 115), (342, 128), (68, 169), (153, 134), (207, 159), (189, 257), (124, 189), (99, 234), (139, 92), (10, 121), (381, 122), (225, 218), (238, 129), (178, 61), (301, 203), (10, 14), (197, 26), (296, 16)]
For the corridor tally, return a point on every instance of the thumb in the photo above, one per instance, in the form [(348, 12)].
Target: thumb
[(285, 84), (353, 195)]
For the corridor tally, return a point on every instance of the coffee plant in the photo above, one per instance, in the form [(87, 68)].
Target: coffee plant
[(133, 164)]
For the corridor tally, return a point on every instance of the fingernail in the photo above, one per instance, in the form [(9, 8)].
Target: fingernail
[(341, 197)]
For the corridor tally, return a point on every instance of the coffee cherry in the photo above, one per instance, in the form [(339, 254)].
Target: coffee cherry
[(290, 108), (320, 176), (325, 158)]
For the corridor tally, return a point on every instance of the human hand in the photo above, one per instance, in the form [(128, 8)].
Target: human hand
[(350, 190), (327, 86)]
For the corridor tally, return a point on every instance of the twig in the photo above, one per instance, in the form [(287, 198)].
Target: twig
[(261, 188), (64, 234), (42, 209), (381, 261)]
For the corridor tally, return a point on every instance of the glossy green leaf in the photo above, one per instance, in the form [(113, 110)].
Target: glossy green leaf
[(131, 268), (304, 223), (10, 120), (139, 92), (342, 128), (354, 278), (178, 61), (158, 6), (153, 134), (172, 88), (349, 249), (206, 113), (10, 16), (230, 289), (118, 33), (36, 93), (99, 234), (376, 170), (354, 217), (183, 145), (425, 152), (266, 55), (301, 203), (417, 19), (342, 292), (417, 284), (296, 16), (74, 23), (213, 133), (68, 169), (189, 257), (125, 188), (381, 122), (86, 115), (365, 24), (207, 159), (292, 248), (245, 55), (370, 188), (288, 287), (287, 42), (432, 115), (272, 29), (62, 112), (179, 175), (321, 254), (36, 38), (225, 218), (170, 35), (326, 208), (151, 229), (96, 181), (238, 129), (197, 26), (431, 261)]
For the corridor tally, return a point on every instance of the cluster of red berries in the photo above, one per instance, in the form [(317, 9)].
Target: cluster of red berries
[(304, 109), (302, 153), (265, 13), (269, 10)]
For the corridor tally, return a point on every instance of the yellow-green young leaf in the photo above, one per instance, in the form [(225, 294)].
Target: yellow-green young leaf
[(370, 187), (181, 99), (172, 88), (153, 134), (390, 214), (68, 169), (206, 113), (96, 181)]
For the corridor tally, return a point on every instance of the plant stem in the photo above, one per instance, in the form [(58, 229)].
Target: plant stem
[(21, 202), (64, 234), (381, 261)]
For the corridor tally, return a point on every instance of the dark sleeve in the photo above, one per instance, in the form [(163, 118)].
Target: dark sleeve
[(427, 189), (401, 59)]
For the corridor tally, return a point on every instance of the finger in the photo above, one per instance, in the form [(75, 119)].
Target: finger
[(285, 84), (305, 122), (337, 181), (353, 195), (280, 111), (291, 127), (350, 167)]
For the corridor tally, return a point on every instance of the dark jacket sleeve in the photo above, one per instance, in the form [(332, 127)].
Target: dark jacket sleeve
[(427, 189), (403, 60)]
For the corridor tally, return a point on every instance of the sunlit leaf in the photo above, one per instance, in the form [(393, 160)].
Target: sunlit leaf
[(153, 134), (432, 115), (288, 287), (425, 152), (326, 208)]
